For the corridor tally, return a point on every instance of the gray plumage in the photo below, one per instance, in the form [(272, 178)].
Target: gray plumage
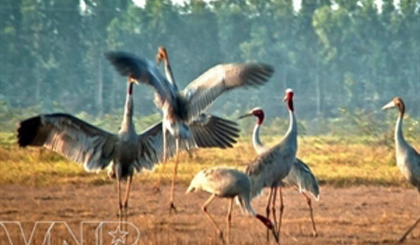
[(181, 107), (227, 183), (300, 175), (273, 164), (96, 149), (121, 153), (408, 159), (269, 168)]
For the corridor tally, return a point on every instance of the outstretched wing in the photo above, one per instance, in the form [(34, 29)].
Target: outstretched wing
[(200, 93), (212, 131), (144, 71), (206, 131), (69, 136)]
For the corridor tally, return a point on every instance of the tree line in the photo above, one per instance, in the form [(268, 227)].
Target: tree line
[(334, 54)]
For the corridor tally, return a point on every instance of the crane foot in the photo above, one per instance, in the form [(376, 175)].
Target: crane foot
[(172, 207), (220, 233), (401, 240), (315, 234)]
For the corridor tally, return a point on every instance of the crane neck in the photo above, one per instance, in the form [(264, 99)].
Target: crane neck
[(400, 142), (291, 134), (256, 141), (127, 124), (290, 104), (169, 74)]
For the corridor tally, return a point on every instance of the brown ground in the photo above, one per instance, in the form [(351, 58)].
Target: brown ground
[(356, 215)]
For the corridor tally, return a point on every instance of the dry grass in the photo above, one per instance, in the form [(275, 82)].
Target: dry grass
[(38, 184), (355, 215), (336, 161)]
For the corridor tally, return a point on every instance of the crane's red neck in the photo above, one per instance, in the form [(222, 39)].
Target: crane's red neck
[(289, 99), (130, 85), (130, 89), (265, 221), (260, 116), (400, 105)]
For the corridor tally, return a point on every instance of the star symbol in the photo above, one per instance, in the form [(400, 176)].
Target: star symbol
[(118, 236)]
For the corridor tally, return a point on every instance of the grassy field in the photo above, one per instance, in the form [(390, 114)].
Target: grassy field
[(338, 162), (364, 197)]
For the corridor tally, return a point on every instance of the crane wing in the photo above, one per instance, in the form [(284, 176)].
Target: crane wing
[(200, 93), (207, 131), (212, 131), (69, 136), (269, 162), (301, 175), (144, 71)]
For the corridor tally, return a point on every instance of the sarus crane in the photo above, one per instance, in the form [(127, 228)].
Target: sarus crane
[(272, 166), (180, 108), (227, 183), (408, 159), (121, 153), (300, 174)]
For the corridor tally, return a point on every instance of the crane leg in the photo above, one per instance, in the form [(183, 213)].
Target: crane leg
[(119, 199), (267, 211), (404, 236), (229, 219), (281, 210), (308, 200), (273, 207), (204, 209), (125, 202), (164, 158), (171, 204), (127, 193)]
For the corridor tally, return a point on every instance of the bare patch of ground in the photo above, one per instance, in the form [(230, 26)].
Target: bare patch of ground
[(354, 215)]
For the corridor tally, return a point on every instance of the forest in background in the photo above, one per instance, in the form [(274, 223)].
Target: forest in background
[(344, 59)]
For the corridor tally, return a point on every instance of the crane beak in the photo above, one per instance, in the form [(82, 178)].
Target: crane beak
[(246, 115), (389, 105), (132, 80), (269, 225), (275, 235)]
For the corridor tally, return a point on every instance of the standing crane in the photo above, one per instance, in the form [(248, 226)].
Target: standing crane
[(180, 108), (272, 166), (408, 159), (121, 153), (300, 174), (227, 183)]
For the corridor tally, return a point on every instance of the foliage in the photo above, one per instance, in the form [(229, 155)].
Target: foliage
[(335, 54)]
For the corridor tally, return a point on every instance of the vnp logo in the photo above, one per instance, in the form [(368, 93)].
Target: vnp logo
[(60, 233)]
